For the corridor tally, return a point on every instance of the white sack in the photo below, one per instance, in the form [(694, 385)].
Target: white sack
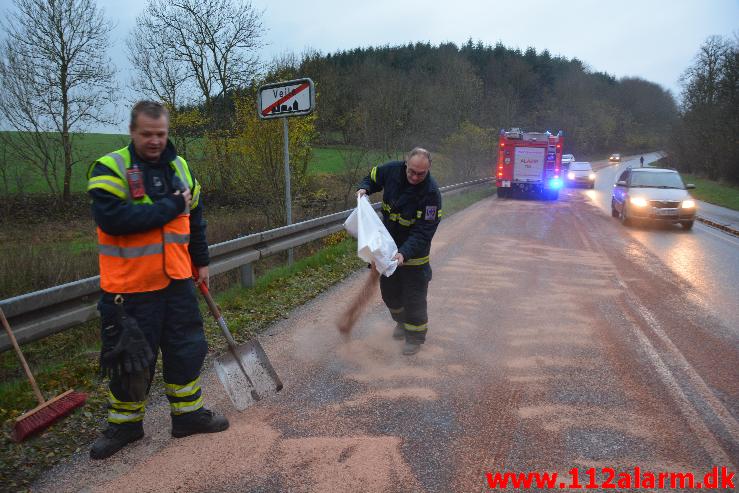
[(374, 243)]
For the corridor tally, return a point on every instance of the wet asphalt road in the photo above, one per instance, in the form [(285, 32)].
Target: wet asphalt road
[(558, 339)]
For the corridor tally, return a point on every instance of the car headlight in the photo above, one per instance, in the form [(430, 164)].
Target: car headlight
[(688, 204), (591, 176), (638, 201), (570, 175)]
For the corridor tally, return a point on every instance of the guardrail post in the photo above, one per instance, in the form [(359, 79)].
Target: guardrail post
[(247, 275)]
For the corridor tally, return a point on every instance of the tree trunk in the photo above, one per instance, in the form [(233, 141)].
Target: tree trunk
[(67, 190)]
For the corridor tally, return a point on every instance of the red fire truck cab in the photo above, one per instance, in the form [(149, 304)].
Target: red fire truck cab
[(529, 162)]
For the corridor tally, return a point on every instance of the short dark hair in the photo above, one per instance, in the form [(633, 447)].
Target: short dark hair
[(152, 109), (419, 150)]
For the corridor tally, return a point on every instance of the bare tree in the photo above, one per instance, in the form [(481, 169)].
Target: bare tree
[(701, 80), (57, 80), (4, 165), (195, 49), (161, 76), (21, 106)]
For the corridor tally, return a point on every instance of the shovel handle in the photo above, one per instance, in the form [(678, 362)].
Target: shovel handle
[(224, 328), (206, 294), (214, 310)]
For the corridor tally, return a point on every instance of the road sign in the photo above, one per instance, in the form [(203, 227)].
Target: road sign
[(280, 100), (290, 98)]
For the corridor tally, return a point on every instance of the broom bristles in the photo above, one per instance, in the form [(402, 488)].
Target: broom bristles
[(346, 321), (43, 416)]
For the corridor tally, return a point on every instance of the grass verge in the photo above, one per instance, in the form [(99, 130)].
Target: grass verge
[(713, 192), (69, 359)]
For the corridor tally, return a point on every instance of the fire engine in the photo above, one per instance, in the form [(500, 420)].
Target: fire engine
[(529, 162)]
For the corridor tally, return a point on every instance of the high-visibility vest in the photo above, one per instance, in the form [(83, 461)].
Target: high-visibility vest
[(148, 260)]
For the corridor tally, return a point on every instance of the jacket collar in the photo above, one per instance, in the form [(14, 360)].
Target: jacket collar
[(169, 155)]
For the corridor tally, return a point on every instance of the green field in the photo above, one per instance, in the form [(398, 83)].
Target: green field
[(713, 192), (88, 147)]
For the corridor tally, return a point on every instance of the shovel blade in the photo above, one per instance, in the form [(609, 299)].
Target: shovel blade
[(260, 379)]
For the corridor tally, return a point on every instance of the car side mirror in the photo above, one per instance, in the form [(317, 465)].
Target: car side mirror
[(621, 183), (689, 186)]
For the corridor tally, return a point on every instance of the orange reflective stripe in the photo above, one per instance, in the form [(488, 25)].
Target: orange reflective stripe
[(176, 238), (130, 252)]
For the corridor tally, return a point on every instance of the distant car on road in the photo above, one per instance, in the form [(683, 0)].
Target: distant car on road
[(614, 158), (581, 173), (656, 194)]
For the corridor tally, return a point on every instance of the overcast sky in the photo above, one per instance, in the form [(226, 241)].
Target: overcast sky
[(655, 40)]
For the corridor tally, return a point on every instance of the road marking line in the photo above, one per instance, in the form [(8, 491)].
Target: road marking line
[(713, 232), (716, 405), (696, 422)]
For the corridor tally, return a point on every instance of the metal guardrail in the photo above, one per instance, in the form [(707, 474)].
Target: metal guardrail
[(39, 314)]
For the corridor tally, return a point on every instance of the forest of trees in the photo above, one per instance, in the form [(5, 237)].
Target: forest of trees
[(394, 97)]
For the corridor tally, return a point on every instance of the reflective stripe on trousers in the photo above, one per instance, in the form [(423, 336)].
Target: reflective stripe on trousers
[(120, 412), (184, 398)]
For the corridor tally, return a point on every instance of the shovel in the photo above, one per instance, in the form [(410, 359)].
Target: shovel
[(245, 371)]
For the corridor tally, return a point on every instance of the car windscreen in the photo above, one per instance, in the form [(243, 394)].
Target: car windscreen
[(656, 180), (580, 167)]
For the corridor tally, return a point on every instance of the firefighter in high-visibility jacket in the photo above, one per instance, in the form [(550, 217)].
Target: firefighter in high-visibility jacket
[(151, 233), (411, 211)]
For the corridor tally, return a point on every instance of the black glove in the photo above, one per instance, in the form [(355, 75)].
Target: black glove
[(109, 339), (131, 353)]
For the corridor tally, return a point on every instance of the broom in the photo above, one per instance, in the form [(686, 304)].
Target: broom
[(47, 412), (346, 321)]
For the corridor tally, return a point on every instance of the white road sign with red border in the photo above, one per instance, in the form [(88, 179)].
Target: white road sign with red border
[(289, 98)]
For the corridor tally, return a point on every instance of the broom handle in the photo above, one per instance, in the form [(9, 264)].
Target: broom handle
[(17, 348)]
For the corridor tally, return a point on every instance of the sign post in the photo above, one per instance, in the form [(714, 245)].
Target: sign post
[(288, 196), (282, 100)]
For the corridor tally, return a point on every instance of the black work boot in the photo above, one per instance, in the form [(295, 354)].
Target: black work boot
[(399, 331), (114, 438), (200, 421), (411, 347)]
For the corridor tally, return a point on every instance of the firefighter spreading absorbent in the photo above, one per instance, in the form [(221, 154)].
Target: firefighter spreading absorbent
[(411, 211)]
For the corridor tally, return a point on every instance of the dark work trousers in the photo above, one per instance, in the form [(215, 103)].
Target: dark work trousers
[(170, 319), (404, 293)]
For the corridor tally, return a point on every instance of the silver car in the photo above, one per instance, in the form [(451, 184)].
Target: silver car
[(656, 194), (581, 173)]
